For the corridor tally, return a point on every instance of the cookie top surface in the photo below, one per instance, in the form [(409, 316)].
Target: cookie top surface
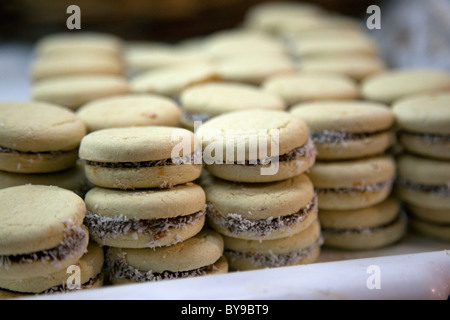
[(310, 86), (146, 204), (36, 218), (261, 200), (247, 128), (427, 113), (130, 111), (391, 85), (353, 173), (39, 127), (423, 170), (172, 80), (203, 249), (373, 216), (345, 116), (137, 144), (217, 98)]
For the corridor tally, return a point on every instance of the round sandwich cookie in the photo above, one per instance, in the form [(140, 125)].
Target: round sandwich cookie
[(172, 80), (141, 157), (38, 137), (74, 64), (262, 211), (42, 231), (74, 91), (131, 110), (200, 255), (256, 146), (205, 101), (253, 69), (80, 43), (90, 266), (72, 179), (391, 85), (355, 66), (423, 182), (347, 129), (145, 218), (301, 248), (373, 227), (423, 123), (312, 86), (353, 184), (433, 223)]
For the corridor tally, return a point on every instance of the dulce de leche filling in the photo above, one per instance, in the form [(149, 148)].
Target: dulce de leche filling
[(438, 189), (235, 224), (366, 188), (341, 137)]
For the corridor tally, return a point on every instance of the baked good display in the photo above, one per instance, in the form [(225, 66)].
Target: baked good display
[(38, 137), (140, 157), (347, 129), (197, 256), (265, 146), (205, 101), (130, 110), (423, 124)]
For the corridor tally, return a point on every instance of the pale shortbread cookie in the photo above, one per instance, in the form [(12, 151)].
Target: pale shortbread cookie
[(256, 146), (38, 137), (90, 267), (74, 91), (353, 184), (130, 111), (423, 182), (172, 80), (312, 86), (205, 101), (347, 129), (368, 228), (300, 248), (42, 230), (196, 256), (392, 85), (141, 157), (262, 211), (423, 123), (145, 218)]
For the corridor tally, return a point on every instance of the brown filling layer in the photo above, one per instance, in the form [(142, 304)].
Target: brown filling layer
[(73, 239), (235, 224), (107, 227), (119, 268), (48, 153), (439, 189), (428, 137), (368, 188), (364, 230), (339, 137)]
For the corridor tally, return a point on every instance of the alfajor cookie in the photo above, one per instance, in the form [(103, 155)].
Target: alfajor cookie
[(200, 255), (434, 223), (145, 218), (392, 85), (141, 157), (423, 123), (373, 227), (172, 80), (38, 137), (256, 146), (131, 110), (263, 211), (347, 129), (205, 101), (312, 86), (74, 91), (42, 231), (298, 249), (90, 276), (423, 182), (353, 184)]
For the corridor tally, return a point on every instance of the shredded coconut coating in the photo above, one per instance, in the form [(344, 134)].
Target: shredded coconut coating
[(441, 189), (119, 268), (327, 136), (368, 188), (110, 227), (74, 237), (63, 288), (237, 225), (274, 260), (428, 137)]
